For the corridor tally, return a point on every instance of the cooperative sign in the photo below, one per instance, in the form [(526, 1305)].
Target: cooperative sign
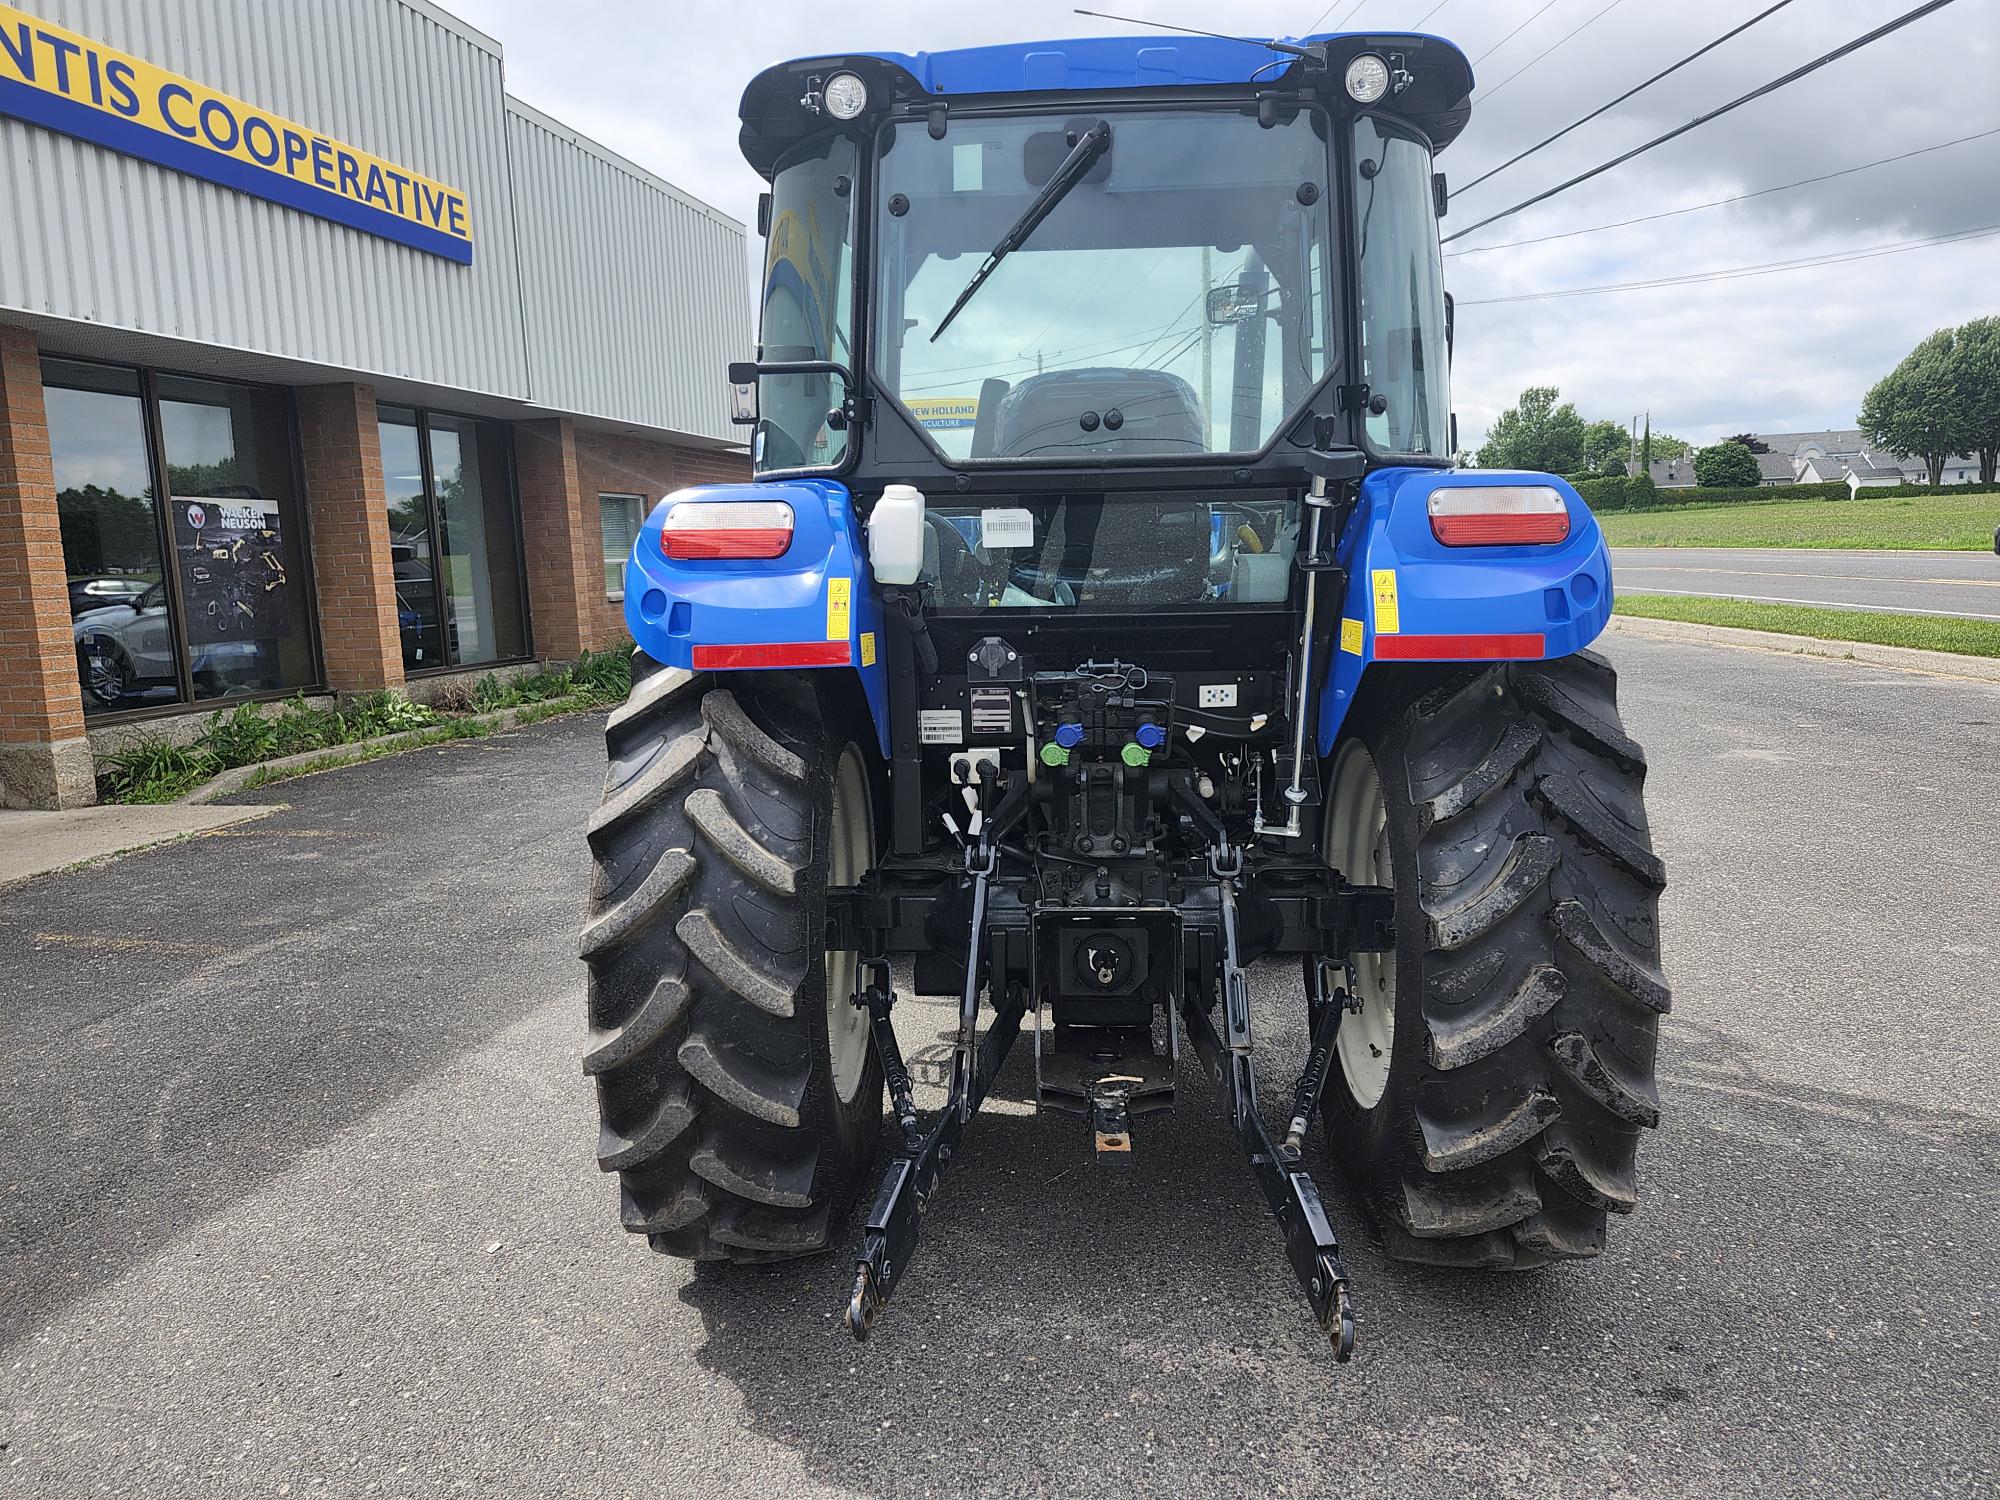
[(69, 83)]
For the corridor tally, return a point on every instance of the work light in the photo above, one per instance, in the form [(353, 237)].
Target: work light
[(846, 96), (1367, 78)]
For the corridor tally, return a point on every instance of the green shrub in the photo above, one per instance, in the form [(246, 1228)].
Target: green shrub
[(154, 771), (383, 712), (1726, 466), (238, 738), (151, 770), (1602, 494), (605, 676), (298, 728)]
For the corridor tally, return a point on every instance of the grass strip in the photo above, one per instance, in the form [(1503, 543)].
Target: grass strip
[(1920, 632), (1883, 521)]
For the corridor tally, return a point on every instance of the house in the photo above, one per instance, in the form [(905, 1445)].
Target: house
[(1670, 473), (1775, 468), (1857, 471), (1841, 449)]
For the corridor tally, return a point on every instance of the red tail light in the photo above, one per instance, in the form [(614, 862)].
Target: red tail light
[(1498, 515), (695, 529)]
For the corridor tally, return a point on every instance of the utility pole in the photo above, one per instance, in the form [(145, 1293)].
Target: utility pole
[(1207, 353)]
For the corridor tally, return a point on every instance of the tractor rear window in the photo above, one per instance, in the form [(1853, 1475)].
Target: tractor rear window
[(1114, 553), (1170, 302)]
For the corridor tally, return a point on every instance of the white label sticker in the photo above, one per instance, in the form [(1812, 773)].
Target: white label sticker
[(940, 726), (968, 167), (1006, 528)]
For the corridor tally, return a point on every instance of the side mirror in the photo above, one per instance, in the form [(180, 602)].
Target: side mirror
[(1450, 322), (743, 392), (1440, 194), (1233, 304), (763, 215)]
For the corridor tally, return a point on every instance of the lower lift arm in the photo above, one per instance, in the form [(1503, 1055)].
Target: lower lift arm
[(910, 1186)]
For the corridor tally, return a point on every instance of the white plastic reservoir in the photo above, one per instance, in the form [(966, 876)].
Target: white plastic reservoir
[(896, 535)]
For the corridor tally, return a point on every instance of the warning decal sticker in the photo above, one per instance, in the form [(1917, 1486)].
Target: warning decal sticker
[(1387, 619), (839, 599)]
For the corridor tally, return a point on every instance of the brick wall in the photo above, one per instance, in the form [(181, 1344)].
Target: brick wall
[(44, 758), (611, 464), (341, 444), (560, 558)]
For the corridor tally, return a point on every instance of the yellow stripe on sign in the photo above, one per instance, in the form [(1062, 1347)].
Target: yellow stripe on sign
[(1388, 620), (1350, 637), (839, 608)]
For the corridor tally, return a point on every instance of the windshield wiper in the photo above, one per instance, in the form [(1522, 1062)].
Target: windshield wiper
[(1082, 157)]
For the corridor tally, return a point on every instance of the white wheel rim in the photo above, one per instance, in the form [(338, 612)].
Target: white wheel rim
[(852, 839), (1357, 844)]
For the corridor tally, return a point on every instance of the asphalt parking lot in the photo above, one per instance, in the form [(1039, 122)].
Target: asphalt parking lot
[(1966, 584), (297, 1186)]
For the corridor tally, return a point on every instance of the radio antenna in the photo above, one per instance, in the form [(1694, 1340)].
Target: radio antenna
[(1249, 41)]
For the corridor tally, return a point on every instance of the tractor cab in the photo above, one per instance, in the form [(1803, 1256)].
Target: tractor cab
[(987, 254)]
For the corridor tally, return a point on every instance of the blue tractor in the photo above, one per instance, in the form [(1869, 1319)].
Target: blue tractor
[(1107, 616)]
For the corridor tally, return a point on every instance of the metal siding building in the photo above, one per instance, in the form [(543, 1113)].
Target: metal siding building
[(435, 416), (607, 252), (595, 288)]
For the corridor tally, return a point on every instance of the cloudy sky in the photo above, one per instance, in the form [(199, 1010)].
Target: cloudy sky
[(1767, 353)]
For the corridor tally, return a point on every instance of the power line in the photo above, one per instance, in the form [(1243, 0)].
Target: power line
[(1314, 28), (1715, 114), (1547, 50), (1641, 89), (1429, 13), (1508, 37), (1738, 273), (1720, 202)]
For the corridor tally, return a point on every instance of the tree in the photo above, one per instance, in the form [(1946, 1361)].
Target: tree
[(1726, 466), (1536, 434), (1925, 407), (1605, 448), (1977, 358)]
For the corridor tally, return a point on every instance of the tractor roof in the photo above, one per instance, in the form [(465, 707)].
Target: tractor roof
[(774, 116)]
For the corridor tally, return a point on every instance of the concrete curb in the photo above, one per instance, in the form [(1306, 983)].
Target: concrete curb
[(234, 778), (34, 844), (1862, 653)]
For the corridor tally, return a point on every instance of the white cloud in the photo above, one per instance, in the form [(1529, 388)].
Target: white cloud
[(1788, 351)]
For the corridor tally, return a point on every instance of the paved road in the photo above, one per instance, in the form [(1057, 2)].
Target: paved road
[(1924, 583), (298, 1186)]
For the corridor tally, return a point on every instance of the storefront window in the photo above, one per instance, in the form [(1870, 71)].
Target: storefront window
[(125, 647), (455, 539), (417, 618), (235, 523), (201, 596), (482, 562)]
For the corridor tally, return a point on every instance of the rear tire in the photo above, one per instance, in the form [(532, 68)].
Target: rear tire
[(737, 1108), (1522, 1006)]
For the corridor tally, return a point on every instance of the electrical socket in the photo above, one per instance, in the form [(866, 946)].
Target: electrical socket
[(1217, 695)]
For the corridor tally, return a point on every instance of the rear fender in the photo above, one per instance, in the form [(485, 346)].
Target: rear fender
[(1410, 598), (814, 608)]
